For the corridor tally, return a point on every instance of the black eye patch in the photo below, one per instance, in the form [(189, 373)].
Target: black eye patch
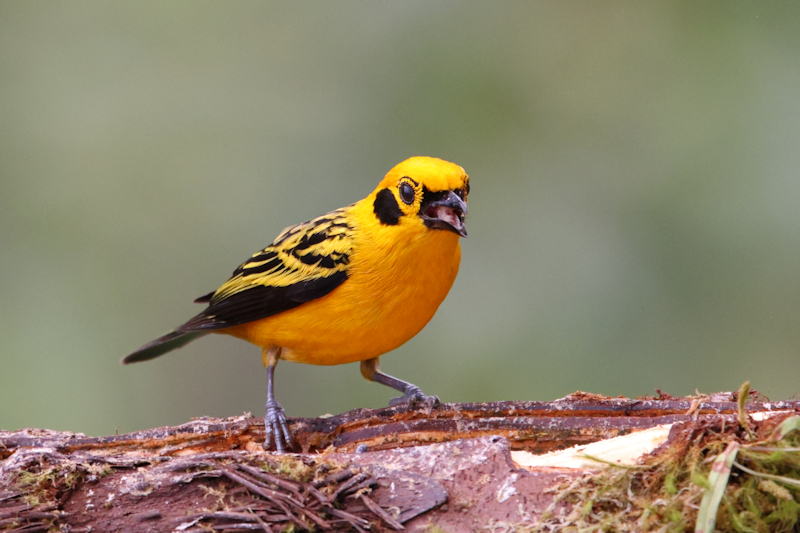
[(386, 208)]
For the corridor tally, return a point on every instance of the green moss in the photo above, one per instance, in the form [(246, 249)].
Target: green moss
[(761, 494), (290, 468), (44, 483)]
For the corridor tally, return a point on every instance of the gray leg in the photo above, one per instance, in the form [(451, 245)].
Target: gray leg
[(275, 420), (412, 394)]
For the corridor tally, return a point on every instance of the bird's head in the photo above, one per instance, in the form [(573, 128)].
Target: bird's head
[(425, 192)]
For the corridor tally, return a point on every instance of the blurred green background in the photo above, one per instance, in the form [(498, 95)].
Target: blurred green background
[(634, 219)]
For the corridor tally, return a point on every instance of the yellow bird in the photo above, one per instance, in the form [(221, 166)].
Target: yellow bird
[(348, 286)]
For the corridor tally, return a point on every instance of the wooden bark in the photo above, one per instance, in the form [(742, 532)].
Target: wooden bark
[(365, 469)]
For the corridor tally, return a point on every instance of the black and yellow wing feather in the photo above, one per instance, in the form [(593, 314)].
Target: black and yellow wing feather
[(305, 262)]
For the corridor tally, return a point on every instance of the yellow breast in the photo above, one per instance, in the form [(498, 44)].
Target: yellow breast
[(397, 278)]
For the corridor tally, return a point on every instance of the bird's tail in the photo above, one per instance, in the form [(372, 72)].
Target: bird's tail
[(171, 341)]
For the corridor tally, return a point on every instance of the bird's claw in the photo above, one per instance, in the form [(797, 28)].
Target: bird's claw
[(414, 397), (275, 427)]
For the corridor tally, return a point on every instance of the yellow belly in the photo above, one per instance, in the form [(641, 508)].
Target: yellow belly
[(390, 295)]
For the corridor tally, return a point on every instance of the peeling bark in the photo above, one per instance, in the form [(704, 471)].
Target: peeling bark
[(366, 469)]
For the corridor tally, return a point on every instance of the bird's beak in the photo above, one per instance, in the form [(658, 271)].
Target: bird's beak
[(444, 210)]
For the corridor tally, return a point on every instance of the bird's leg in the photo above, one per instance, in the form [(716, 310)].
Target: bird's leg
[(411, 393), (275, 419)]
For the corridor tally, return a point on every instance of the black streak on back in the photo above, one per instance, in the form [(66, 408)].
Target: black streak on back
[(386, 208)]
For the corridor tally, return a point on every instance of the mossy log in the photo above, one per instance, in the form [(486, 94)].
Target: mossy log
[(385, 469)]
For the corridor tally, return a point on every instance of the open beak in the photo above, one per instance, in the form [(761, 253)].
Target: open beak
[(444, 210)]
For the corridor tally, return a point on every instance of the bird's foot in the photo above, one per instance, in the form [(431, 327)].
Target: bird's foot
[(277, 432), (414, 397)]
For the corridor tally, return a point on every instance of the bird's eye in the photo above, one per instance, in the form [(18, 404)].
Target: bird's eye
[(407, 193)]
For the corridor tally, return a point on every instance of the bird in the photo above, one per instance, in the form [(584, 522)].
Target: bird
[(347, 286)]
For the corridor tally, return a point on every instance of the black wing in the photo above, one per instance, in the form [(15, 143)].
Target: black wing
[(304, 263)]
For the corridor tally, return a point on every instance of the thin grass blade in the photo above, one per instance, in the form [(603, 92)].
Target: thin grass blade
[(718, 479), (787, 426)]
